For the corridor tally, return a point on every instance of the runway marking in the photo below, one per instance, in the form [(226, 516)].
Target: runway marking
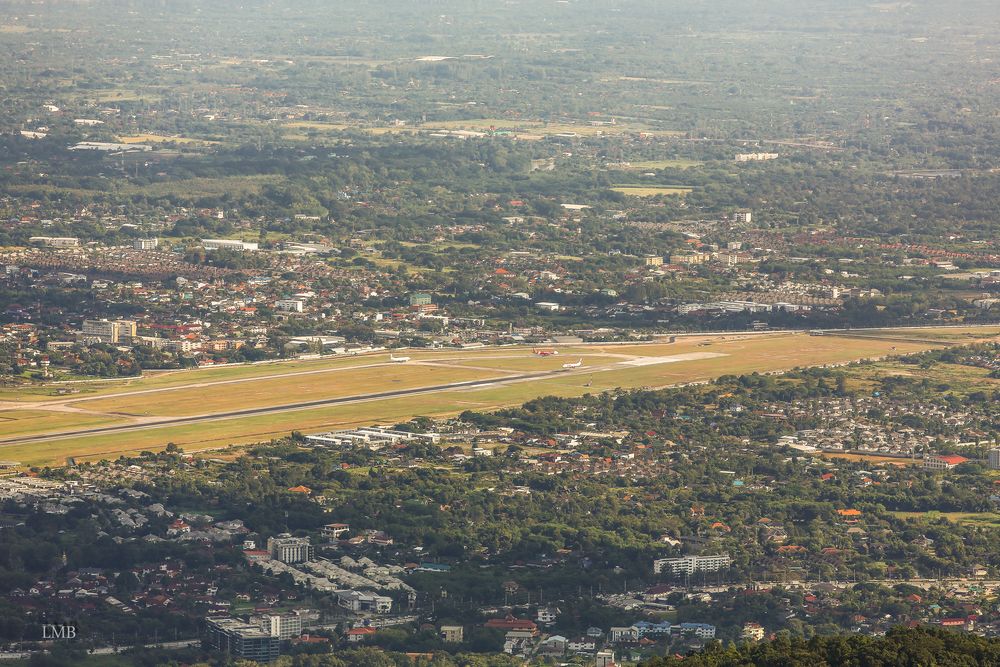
[(691, 356)]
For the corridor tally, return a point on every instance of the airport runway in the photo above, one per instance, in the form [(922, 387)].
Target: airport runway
[(291, 407)]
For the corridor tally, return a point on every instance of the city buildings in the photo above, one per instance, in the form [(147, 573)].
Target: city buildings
[(371, 438)]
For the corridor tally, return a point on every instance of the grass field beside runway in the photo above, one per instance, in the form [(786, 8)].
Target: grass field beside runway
[(274, 391), (23, 422)]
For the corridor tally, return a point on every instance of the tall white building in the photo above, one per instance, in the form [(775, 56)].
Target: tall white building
[(281, 626), (146, 244), (109, 331), (288, 549), (995, 459)]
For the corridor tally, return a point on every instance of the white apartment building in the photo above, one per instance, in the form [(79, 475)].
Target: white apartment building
[(290, 305), (56, 241), (283, 627), (228, 244), (288, 549), (108, 331), (692, 564)]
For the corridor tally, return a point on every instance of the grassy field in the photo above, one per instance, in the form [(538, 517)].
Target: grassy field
[(110, 95), (188, 187), (953, 378), (944, 334), (871, 458), (160, 139), (266, 392), (185, 393), (653, 165), (644, 191), (201, 376), (523, 128), (23, 422), (985, 519), (201, 187)]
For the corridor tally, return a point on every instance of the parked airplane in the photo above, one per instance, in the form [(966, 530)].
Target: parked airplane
[(545, 353), (576, 365), (398, 360)]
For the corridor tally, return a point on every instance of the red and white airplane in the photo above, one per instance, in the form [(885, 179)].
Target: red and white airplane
[(545, 353), (576, 365)]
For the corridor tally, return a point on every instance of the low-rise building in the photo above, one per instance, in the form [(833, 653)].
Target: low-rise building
[(547, 615), (359, 601), (689, 258), (944, 462), (452, 634), (335, 530), (701, 630), (604, 659), (752, 631), (358, 635), (290, 305), (56, 241), (229, 244)]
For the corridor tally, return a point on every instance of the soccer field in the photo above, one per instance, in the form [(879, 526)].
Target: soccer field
[(195, 409)]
